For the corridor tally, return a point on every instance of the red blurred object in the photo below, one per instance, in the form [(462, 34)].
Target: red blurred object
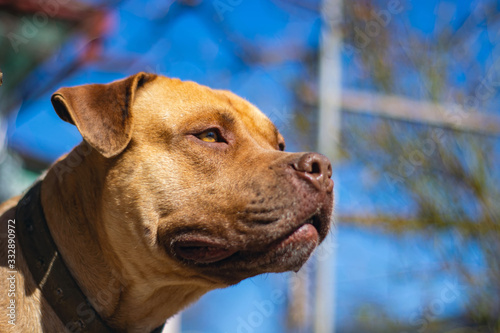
[(93, 22)]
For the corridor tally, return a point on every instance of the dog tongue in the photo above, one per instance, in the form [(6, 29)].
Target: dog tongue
[(202, 252)]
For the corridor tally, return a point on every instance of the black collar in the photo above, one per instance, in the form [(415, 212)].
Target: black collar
[(49, 270)]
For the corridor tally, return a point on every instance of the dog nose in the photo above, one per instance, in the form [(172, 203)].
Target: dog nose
[(316, 169)]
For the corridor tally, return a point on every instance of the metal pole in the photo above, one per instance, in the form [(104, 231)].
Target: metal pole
[(173, 324), (328, 144)]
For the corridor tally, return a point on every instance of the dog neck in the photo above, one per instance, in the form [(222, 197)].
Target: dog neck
[(126, 298)]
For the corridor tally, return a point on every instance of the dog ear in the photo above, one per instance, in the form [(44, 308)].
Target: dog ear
[(101, 112)]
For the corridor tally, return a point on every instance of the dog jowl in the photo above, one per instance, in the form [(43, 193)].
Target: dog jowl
[(182, 189)]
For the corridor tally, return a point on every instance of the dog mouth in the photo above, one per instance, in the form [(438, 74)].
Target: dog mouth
[(208, 250), (202, 250), (307, 233)]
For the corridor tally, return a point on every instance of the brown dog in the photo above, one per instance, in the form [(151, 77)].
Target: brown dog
[(177, 189)]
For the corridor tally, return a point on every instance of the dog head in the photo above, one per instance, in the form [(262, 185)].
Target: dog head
[(197, 181)]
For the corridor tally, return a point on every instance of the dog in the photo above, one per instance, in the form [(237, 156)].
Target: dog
[(175, 190)]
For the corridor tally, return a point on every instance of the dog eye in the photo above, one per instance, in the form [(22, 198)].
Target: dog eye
[(209, 136)]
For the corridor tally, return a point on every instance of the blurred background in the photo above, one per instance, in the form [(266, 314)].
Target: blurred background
[(402, 96)]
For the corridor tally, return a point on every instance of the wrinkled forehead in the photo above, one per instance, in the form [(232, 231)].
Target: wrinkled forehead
[(184, 103)]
